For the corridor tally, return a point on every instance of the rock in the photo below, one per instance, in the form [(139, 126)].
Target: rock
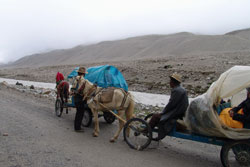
[(141, 114), (32, 87), (5, 83), (164, 87), (5, 134), (167, 66), (18, 83), (46, 92)]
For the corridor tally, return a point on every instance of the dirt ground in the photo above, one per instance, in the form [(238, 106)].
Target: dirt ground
[(151, 75), (32, 136)]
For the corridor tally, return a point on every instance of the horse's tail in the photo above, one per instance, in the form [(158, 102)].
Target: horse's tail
[(66, 86), (65, 90), (130, 109)]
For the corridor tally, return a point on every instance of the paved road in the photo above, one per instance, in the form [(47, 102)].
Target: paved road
[(37, 138)]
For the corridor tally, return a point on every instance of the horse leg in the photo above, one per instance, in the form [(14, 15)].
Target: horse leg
[(96, 128), (61, 97), (66, 92), (121, 124), (129, 114), (66, 96), (128, 117)]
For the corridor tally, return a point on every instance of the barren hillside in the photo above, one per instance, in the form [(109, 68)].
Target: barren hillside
[(142, 47)]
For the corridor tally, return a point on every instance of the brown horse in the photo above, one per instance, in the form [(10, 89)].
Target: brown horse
[(63, 91), (121, 101)]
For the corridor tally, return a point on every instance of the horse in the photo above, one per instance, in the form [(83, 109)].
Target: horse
[(117, 99), (63, 91)]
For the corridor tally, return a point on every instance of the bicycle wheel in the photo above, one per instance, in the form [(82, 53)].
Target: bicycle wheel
[(236, 153), (137, 133), (58, 108)]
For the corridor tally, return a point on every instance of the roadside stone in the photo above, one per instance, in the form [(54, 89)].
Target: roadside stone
[(18, 83), (46, 92), (5, 134), (5, 83)]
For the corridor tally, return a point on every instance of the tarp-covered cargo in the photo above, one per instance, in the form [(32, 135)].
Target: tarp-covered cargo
[(104, 76), (202, 117)]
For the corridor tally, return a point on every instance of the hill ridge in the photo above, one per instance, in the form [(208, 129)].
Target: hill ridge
[(141, 47)]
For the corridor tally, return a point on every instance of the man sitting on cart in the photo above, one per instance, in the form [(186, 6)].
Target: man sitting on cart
[(78, 99), (175, 109)]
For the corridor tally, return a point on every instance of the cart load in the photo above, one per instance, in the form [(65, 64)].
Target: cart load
[(103, 76), (202, 116)]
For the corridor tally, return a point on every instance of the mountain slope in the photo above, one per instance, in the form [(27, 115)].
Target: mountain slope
[(150, 46), (245, 33)]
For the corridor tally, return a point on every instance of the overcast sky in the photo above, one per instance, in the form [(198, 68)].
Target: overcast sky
[(33, 26)]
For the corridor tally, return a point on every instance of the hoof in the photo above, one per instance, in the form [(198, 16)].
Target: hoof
[(95, 135), (112, 140)]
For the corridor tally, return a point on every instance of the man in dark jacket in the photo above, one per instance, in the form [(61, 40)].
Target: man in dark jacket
[(245, 117), (175, 109)]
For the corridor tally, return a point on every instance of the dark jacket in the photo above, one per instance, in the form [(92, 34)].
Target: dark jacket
[(245, 118), (177, 104)]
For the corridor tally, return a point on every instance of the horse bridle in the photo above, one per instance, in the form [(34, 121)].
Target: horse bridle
[(91, 92)]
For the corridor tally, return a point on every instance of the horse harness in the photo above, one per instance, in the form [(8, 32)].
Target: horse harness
[(102, 94)]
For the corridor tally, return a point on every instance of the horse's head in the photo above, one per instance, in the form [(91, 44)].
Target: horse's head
[(87, 89)]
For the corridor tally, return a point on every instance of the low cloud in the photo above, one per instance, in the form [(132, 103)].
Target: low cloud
[(29, 27)]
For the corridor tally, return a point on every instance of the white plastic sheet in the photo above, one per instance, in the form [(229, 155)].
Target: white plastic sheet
[(201, 116)]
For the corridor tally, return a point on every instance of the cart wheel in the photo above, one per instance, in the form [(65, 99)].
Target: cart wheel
[(58, 108), (109, 118), (235, 153), (87, 118), (137, 133)]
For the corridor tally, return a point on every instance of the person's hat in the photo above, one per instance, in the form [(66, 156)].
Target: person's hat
[(176, 77), (82, 70), (248, 89)]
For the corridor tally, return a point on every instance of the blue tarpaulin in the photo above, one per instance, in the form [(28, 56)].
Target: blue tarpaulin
[(104, 76)]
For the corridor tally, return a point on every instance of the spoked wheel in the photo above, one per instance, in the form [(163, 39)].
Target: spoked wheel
[(137, 133), (236, 153), (87, 118), (109, 118), (58, 108)]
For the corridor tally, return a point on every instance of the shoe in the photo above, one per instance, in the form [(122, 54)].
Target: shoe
[(80, 130)]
